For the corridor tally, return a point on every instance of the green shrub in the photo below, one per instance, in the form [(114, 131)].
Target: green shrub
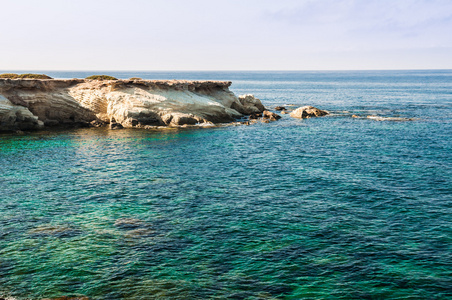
[(9, 75), (34, 76), (24, 76), (135, 78), (101, 77)]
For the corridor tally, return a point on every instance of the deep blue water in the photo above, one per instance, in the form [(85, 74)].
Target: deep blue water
[(326, 208)]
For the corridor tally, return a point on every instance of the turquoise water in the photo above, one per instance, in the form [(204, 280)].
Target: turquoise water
[(327, 208)]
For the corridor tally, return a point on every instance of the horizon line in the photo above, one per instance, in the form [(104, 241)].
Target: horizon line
[(221, 70)]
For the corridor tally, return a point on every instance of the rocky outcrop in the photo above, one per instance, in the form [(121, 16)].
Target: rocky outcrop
[(248, 105), (270, 115), (307, 112), (31, 104), (16, 117)]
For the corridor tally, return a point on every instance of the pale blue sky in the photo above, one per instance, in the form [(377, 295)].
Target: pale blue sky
[(225, 35)]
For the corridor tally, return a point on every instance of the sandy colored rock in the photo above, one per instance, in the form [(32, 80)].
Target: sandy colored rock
[(30, 103), (307, 112), (17, 117), (270, 115), (180, 119), (248, 104)]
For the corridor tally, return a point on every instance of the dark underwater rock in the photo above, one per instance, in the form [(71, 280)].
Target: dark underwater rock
[(129, 223), (54, 230), (68, 298)]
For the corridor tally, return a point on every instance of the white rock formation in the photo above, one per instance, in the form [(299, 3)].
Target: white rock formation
[(130, 103), (16, 117), (307, 112), (248, 104)]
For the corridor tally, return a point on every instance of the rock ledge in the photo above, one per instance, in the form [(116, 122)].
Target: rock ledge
[(27, 104)]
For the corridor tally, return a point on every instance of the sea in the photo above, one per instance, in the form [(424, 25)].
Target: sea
[(336, 207)]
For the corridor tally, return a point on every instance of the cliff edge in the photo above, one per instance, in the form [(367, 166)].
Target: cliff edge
[(27, 104)]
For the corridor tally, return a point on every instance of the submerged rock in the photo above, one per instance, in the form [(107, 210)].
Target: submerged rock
[(280, 108), (378, 118), (55, 230), (140, 232), (128, 223), (135, 228), (68, 298), (308, 112)]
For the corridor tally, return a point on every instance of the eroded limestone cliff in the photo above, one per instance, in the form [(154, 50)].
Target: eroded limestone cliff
[(32, 103)]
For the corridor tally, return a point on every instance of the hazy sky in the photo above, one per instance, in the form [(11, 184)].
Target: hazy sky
[(225, 35)]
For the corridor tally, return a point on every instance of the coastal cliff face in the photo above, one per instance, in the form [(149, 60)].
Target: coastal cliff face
[(31, 104)]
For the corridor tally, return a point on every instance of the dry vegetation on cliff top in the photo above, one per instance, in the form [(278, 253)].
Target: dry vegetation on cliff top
[(24, 76), (43, 76), (101, 77)]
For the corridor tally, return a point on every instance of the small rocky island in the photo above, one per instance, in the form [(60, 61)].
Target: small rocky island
[(34, 103)]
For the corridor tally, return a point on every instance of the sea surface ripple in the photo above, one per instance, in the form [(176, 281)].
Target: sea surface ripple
[(326, 208)]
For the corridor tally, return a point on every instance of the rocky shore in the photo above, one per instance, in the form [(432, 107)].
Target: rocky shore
[(30, 104)]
